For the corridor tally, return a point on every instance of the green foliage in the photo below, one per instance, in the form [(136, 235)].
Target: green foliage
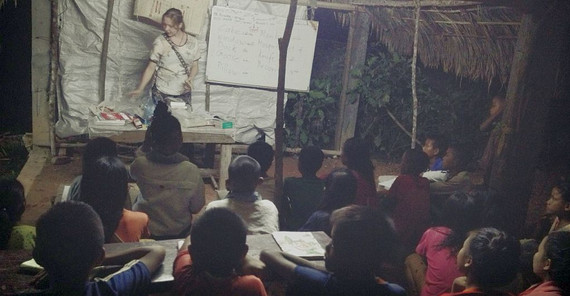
[(444, 107), (13, 156), (447, 105), (311, 117)]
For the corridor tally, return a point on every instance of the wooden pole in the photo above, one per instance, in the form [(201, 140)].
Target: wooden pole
[(356, 51), (534, 74), (105, 49), (52, 88), (345, 75), (414, 70), (279, 120), (320, 4)]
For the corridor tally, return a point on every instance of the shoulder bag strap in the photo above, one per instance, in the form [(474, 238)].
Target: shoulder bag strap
[(184, 65)]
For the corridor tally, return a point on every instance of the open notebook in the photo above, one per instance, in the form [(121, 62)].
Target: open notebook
[(302, 244)]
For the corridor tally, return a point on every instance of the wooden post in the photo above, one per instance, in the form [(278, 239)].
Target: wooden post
[(105, 49), (279, 120), (356, 56), (532, 82)]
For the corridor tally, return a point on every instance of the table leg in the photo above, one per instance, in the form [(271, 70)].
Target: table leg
[(225, 159)]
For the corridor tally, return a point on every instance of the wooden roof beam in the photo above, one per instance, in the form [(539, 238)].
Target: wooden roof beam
[(319, 4), (423, 3)]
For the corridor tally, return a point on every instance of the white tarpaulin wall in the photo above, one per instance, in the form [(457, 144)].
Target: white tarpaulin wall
[(130, 41)]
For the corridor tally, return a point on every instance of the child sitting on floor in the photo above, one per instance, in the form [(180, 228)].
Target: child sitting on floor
[(304, 194), (105, 188), (456, 162), (263, 153), (340, 191), (14, 236), (490, 259), (260, 215), (171, 187), (361, 240), (69, 244), (439, 246), (435, 147), (408, 199), (356, 156), (558, 205), (94, 149), (552, 264), (207, 261)]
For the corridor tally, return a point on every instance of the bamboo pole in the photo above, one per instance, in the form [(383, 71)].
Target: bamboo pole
[(52, 88), (414, 70), (105, 49), (279, 121)]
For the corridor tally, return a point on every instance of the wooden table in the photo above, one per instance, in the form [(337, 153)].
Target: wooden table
[(206, 135), (11, 281)]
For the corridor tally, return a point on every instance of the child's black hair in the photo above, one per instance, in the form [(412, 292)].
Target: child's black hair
[(563, 187), (463, 156), (218, 239), (495, 258), (165, 130), (340, 190), (263, 153), (362, 237), (439, 141), (105, 188), (557, 249), (356, 154), (414, 162), (12, 206), (243, 174), (461, 213), (310, 160), (69, 239), (96, 148)]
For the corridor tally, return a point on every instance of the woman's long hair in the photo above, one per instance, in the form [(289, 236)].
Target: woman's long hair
[(356, 156)]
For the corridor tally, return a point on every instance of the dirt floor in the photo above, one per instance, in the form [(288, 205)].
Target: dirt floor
[(43, 180)]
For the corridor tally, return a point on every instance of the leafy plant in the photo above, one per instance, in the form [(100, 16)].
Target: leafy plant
[(311, 117), (13, 156), (445, 106)]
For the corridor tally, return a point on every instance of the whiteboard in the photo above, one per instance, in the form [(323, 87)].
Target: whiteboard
[(243, 49)]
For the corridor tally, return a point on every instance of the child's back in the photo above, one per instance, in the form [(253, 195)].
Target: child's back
[(490, 259), (304, 194), (208, 265), (70, 242), (260, 215), (171, 186), (409, 196), (361, 240), (439, 245)]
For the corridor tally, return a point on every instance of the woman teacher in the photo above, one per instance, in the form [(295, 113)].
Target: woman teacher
[(173, 62)]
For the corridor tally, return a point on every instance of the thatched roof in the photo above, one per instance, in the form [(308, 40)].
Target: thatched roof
[(467, 38)]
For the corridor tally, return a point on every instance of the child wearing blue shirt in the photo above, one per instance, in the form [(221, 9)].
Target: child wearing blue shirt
[(69, 243)]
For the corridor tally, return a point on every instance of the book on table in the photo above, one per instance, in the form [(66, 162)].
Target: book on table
[(112, 118), (298, 243)]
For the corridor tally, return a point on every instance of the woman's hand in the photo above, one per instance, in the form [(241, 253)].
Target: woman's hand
[(135, 94), (188, 83)]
